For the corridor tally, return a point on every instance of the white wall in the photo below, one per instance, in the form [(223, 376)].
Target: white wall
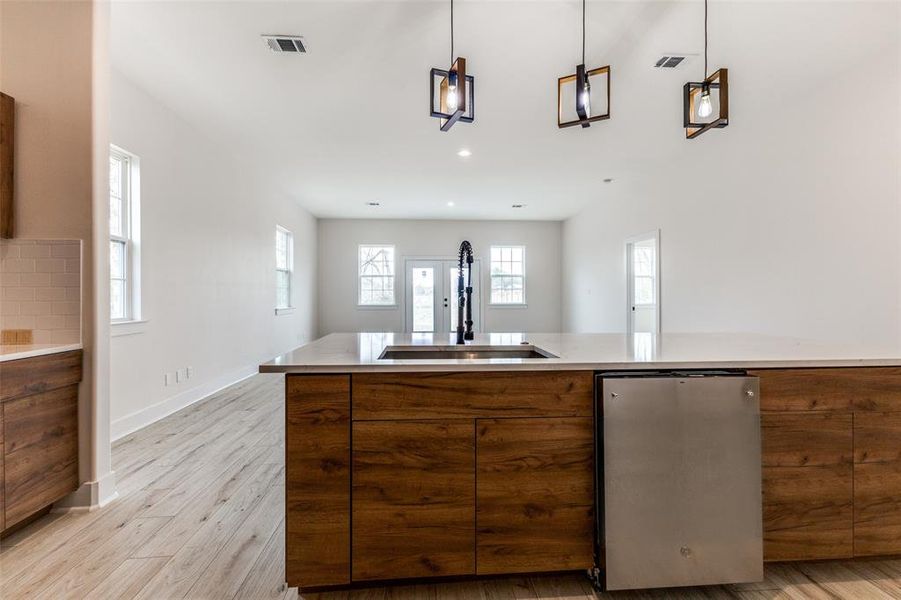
[(208, 265), (787, 222), (339, 240)]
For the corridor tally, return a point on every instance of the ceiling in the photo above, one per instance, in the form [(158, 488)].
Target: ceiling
[(347, 123)]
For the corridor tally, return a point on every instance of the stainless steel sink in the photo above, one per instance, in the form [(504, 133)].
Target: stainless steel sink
[(462, 352)]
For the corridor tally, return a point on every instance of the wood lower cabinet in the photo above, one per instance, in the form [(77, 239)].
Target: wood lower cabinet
[(317, 480), (38, 433), (534, 495), (413, 499), (877, 483)]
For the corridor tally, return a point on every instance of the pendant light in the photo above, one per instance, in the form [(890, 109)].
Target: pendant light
[(455, 100), (699, 113), (583, 95)]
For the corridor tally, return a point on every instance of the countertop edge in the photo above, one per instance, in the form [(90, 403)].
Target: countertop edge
[(39, 352), (481, 365)]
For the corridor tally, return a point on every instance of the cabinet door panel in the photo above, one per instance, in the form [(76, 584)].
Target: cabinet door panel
[(534, 495), (807, 485), (40, 451), (317, 479), (841, 389), (413, 499), (877, 484)]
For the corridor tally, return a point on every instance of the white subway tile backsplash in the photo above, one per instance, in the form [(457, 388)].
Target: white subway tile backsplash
[(50, 265), (34, 251), (52, 294), (40, 288), (65, 279)]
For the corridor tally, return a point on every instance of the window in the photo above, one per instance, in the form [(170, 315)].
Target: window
[(376, 276), (284, 267), (124, 231), (508, 275), (644, 271)]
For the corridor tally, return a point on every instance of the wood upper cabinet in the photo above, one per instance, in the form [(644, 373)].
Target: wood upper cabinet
[(413, 499), (534, 495), (877, 483), (317, 480)]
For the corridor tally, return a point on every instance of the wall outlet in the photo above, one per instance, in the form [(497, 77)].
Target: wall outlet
[(181, 375), (170, 378), (189, 371)]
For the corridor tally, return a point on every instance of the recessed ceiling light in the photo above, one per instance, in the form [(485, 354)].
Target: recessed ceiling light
[(608, 180), (463, 153), (450, 203), (519, 206), (373, 204)]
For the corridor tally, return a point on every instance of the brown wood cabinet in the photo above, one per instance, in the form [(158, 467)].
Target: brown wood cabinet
[(317, 480), (450, 474), (831, 462), (39, 433), (534, 495), (413, 499)]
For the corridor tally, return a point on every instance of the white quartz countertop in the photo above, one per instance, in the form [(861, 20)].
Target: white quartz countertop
[(15, 352), (359, 352)]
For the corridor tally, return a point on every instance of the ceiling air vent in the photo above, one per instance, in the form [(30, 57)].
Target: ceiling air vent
[(669, 62), (285, 43)]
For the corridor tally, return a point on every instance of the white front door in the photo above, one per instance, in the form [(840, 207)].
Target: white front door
[(430, 296), (643, 283)]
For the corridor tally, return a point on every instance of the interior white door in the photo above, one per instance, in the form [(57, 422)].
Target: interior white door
[(643, 283)]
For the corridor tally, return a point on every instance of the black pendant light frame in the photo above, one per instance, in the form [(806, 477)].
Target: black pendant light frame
[(581, 79), (456, 78), (719, 81)]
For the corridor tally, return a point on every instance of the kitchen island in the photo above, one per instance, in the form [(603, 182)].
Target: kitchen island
[(400, 468)]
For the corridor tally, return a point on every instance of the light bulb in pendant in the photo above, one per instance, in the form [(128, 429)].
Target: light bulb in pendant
[(705, 108), (452, 99)]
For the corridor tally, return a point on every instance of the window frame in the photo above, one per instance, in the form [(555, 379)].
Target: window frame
[(365, 306), (492, 276), (289, 238), (130, 237)]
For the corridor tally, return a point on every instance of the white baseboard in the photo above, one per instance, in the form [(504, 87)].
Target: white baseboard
[(144, 417), (90, 495)]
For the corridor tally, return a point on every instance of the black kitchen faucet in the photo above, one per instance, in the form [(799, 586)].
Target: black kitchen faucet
[(464, 294)]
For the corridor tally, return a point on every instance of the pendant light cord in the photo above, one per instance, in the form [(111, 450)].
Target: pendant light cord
[(705, 39), (583, 32), (452, 32)]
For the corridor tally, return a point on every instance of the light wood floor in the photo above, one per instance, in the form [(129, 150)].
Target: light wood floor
[(200, 516)]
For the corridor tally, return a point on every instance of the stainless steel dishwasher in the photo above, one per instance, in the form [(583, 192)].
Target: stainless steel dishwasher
[(679, 498)]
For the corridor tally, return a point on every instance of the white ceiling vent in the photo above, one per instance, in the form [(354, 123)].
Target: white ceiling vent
[(670, 61), (285, 43)]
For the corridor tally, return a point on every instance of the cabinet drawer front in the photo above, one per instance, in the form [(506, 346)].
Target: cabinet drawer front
[(844, 389), (877, 483), (472, 395), (41, 451), (534, 495), (806, 439), (413, 499), (39, 374), (317, 480)]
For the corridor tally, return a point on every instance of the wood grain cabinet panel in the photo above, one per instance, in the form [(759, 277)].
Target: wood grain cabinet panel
[(877, 483), (413, 499), (2, 476), (472, 395), (40, 451), (317, 480), (39, 374), (807, 485), (534, 495), (839, 389)]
